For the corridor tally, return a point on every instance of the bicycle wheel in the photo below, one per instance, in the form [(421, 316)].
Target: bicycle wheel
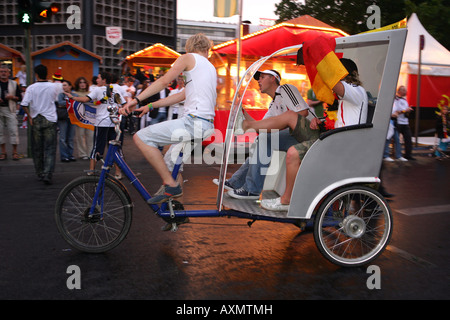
[(106, 227), (353, 226)]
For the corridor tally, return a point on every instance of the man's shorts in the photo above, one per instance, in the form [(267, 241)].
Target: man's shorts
[(304, 135), (175, 131)]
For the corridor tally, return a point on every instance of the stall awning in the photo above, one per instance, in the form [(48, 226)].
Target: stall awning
[(292, 32), (157, 55)]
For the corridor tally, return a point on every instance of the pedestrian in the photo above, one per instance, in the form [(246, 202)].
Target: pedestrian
[(200, 99), (400, 112), (442, 130), (9, 97), (66, 128), (22, 76), (176, 110), (39, 105), (104, 131), (84, 137)]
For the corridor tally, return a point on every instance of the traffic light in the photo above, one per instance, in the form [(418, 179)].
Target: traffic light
[(25, 15), (43, 10), (31, 11)]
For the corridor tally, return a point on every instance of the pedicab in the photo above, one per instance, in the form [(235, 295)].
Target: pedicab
[(339, 173)]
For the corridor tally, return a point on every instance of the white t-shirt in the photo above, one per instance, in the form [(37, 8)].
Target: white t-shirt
[(42, 96), (352, 106), (102, 115), (179, 104), (287, 97), (400, 104), (200, 88)]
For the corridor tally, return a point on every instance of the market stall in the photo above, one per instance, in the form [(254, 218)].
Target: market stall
[(152, 58), (70, 60)]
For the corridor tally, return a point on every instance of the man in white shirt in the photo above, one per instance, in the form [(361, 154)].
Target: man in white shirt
[(200, 99), (39, 105), (248, 181), (401, 111)]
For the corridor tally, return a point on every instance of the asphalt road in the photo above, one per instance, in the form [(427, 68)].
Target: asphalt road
[(220, 258)]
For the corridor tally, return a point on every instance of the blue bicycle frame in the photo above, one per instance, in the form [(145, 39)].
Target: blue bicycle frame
[(165, 211)]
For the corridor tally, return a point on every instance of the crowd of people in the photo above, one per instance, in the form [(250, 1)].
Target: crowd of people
[(43, 105)]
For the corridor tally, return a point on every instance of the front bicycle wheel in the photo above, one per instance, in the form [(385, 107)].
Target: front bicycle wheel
[(353, 226), (106, 227)]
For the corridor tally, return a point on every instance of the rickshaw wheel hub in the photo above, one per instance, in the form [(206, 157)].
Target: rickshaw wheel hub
[(354, 226)]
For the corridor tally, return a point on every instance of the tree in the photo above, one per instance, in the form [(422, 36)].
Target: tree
[(351, 16)]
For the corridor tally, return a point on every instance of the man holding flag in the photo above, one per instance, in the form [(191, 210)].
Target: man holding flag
[(329, 75)]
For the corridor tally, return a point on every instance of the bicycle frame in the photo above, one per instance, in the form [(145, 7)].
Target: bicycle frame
[(114, 155)]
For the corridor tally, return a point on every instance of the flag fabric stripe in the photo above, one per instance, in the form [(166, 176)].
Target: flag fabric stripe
[(323, 67), (225, 8), (81, 114)]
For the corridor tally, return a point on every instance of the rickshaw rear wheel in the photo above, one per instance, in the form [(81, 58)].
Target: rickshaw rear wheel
[(353, 226)]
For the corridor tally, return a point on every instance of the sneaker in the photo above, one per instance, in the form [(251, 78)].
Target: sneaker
[(241, 193), (274, 205), (227, 184), (402, 159), (389, 159), (169, 192)]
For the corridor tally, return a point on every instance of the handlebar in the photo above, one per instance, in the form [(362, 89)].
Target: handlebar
[(114, 115)]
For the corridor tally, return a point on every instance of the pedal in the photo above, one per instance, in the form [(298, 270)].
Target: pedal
[(174, 227)]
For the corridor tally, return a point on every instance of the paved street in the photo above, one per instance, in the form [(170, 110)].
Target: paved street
[(218, 258)]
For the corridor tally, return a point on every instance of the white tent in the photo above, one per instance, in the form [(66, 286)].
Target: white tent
[(435, 57), (435, 66)]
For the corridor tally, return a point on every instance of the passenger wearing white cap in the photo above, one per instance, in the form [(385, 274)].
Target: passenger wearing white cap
[(248, 181)]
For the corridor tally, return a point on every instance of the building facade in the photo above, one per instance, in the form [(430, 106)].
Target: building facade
[(143, 23)]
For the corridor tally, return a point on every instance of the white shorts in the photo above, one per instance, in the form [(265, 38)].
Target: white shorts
[(175, 131)]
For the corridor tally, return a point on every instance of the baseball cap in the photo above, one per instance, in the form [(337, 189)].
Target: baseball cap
[(271, 72)]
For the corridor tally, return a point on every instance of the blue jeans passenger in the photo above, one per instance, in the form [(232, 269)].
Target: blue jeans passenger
[(252, 173)]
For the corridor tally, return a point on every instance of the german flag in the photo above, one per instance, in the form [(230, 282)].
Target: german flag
[(225, 8), (323, 67)]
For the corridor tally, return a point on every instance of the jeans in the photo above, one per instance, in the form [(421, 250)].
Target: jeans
[(252, 173), (397, 146), (66, 136), (43, 143)]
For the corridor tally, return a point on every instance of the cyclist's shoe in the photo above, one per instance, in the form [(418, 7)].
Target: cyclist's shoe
[(169, 193)]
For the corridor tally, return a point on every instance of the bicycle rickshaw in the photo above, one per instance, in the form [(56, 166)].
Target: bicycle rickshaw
[(93, 213)]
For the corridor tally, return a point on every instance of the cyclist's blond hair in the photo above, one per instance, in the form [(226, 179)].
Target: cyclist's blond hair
[(198, 43)]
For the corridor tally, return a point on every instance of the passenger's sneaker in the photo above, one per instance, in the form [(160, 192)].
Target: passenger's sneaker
[(241, 193), (227, 184), (169, 192), (274, 205)]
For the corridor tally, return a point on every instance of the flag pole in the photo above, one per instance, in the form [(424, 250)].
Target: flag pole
[(239, 43)]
